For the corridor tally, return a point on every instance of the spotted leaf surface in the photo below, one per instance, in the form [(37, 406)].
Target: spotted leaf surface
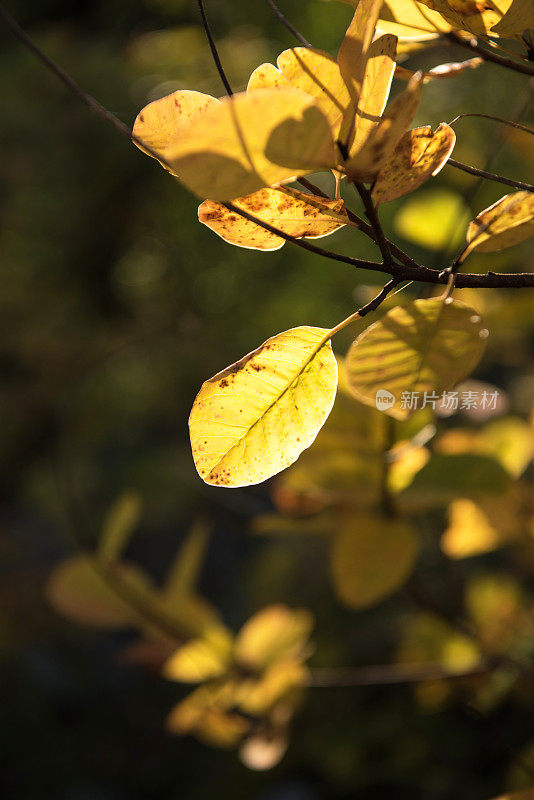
[(255, 418)]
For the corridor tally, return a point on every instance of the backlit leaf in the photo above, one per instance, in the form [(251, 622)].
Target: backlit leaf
[(371, 557), (470, 532), (419, 155), (500, 17), (254, 418), (200, 659), (379, 69), (411, 20), (276, 633), (266, 76), (426, 346), (163, 120), (318, 74), (433, 218), (292, 212), (249, 141), (366, 163), (507, 222), (519, 17), (352, 58)]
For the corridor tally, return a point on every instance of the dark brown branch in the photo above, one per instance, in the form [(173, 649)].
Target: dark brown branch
[(359, 223), (488, 55), (213, 48), (291, 28), (372, 215), (490, 176), (390, 674), (490, 280)]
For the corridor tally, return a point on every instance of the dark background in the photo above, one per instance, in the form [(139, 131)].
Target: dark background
[(115, 306)]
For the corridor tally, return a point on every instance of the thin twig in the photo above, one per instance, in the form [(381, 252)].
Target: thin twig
[(372, 216), (490, 176), (488, 55), (291, 28), (509, 122), (384, 674), (213, 48)]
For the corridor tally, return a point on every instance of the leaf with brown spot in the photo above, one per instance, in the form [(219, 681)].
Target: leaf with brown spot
[(293, 212), (507, 222), (419, 155), (249, 141), (266, 76), (256, 417), (164, 120), (366, 163)]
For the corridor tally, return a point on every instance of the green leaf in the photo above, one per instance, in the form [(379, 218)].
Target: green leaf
[(434, 219), (255, 418), (119, 525), (371, 557), (427, 346)]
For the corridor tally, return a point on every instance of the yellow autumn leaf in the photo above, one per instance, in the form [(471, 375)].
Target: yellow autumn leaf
[(257, 696), (352, 59), (506, 18), (469, 532), (266, 76), (318, 74), (376, 84), (426, 346), (255, 418), (366, 163), (78, 590), (293, 212), (201, 659), (206, 713), (509, 440), (409, 20), (249, 141), (419, 155), (507, 222), (372, 556), (276, 633), (166, 119)]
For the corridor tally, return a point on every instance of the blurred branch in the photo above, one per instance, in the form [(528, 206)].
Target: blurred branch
[(327, 678), (488, 55), (291, 28), (213, 48)]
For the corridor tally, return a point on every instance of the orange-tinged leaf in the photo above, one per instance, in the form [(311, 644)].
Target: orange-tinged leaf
[(469, 532), (164, 120), (249, 141), (507, 222), (426, 346), (371, 558), (522, 794), (295, 213), (419, 155), (367, 162), (275, 633), (255, 418)]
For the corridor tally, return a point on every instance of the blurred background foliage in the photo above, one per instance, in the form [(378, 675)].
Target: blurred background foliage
[(116, 305)]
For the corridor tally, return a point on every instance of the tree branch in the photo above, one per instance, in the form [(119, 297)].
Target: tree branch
[(384, 674), (490, 176), (488, 55), (372, 216)]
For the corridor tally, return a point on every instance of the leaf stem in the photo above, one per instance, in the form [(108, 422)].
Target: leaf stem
[(490, 176)]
